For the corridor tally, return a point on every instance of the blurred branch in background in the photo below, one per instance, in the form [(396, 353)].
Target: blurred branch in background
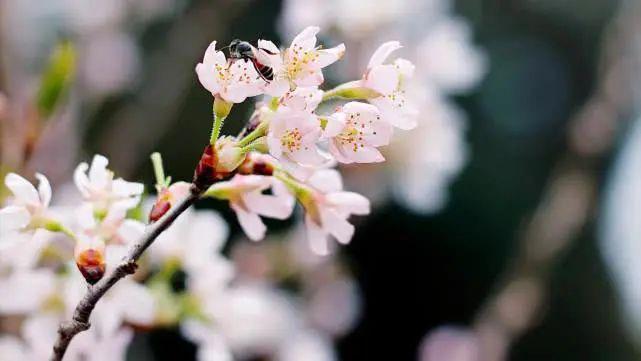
[(570, 199)]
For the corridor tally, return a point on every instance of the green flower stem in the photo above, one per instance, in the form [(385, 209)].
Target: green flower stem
[(53, 225), (221, 110), (215, 131), (259, 145), (261, 130), (159, 172)]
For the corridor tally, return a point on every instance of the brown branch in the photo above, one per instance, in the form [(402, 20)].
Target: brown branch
[(80, 319)]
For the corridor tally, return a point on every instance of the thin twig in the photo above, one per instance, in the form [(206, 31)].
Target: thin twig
[(80, 319)]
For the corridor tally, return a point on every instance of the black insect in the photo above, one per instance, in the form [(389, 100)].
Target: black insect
[(240, 49)]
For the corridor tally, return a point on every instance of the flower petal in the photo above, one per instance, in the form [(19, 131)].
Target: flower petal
[(329, 56), (98, 173), (44, 190), (349, 202), (382, 78), (317, 237), (268, 206), (382, 53), (13, 218), (23, 191), (81, 180), (337, 226), (250, 222), (306, 39), (208, 78), (335, 125), (326, 180)]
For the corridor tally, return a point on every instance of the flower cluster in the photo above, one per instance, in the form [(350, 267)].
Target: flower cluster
[(295, 137), (222, 317), (440, 42), (284, 155)]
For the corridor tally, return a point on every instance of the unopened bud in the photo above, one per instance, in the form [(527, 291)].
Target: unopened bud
[(90, 259), (230, 155), (167, 198), (352, 90), (208, 170), (159, 209), (258, 164)]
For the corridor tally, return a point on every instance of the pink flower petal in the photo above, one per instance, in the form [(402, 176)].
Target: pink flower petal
[(23, 191), (382, 53)]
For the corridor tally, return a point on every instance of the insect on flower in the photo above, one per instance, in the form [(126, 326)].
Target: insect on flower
[(240, 49)]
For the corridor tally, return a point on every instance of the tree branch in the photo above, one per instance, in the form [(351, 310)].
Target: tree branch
[(80, 320)]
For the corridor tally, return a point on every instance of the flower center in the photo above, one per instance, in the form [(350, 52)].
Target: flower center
[(354, 131), (292, 139), (299, 60), (397, 97)]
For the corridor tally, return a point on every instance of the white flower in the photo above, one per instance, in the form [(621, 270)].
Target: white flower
[(113, 228), (233, 81), (306, 345), (390, 80), (12, 348), (101, 189), (448, 59), (27, 208), (299, 65), (327, 209), (354, 133), (29, 290), (92, 345), (438, 152), (22, 251), (292, 139), (194, 240), (211, 345), (254, 319), (448, 343), (246, 198)]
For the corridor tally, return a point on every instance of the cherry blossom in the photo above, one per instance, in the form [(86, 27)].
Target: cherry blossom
[(99, 187), (390, 80), (246, 198), (194, 241), (292, 139), (27, 209), (24, 300), (355, 132), (233, 81), (327, 208), (113, 228), (299, 65)]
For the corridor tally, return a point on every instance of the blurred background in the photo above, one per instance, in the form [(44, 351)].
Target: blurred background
[(508, 221)]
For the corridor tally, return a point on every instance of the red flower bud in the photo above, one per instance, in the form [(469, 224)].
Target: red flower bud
[(91, 263), (206, 173), (257, 164), (159, 209)]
